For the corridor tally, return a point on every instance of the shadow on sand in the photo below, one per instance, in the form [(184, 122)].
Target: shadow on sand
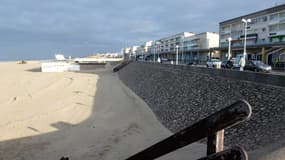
[(77, 137), (35, 70), (44, 146)]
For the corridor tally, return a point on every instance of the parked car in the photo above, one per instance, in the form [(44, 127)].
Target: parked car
[(227, 64), (190, 63), (236, 62), (257, 66), (224, 63), (164, 60), (215, 63)]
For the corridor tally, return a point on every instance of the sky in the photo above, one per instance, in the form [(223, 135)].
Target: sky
[(34, 29)]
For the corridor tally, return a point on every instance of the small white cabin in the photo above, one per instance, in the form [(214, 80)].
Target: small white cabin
[(59, 67)]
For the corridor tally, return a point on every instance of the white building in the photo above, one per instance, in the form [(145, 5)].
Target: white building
[(168, 44), (204, 40), (199, 47), (144, 50), (126, 52), (190, 46), (266, 29)]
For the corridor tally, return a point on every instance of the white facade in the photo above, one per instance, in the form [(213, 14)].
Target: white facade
[(266, 26), (134, 50), (126, 50), (145, 48), (168, 44), (204, 40), (186, 41), (59, 67)]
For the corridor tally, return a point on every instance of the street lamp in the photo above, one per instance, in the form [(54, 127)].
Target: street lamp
[(242, 60), (177, 54), (154, 53), (245, 21), (229, 51), (155, 50), (142, 54), (182, 50)]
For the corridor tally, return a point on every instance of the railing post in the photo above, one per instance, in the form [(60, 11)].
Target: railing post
[(215, 142), (211, 127)]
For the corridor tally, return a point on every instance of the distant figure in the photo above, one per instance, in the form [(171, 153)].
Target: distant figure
[(230, 63), (242, 63), (195, 60), (158, 60), (171, 62)]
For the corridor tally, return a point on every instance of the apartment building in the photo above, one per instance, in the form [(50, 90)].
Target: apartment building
[(190, 46), (265, 34), (144, 50), (204, 40), (168, 44), (199, 47)]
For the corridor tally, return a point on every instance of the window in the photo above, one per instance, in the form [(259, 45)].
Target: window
[(282, 14), (263, 29), (275, 39), (236, 33), (264, 19), (273, 28), (259, 20), (225, 36), (236, 26), (226, 28), (282, 26), (274, 16)]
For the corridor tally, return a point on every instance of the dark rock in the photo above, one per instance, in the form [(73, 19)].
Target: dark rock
[(182, 96)]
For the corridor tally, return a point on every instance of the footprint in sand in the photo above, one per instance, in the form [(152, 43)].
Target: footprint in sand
[(78, 92), (13, 99)]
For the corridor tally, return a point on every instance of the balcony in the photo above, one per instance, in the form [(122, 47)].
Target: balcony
[(228, 31)]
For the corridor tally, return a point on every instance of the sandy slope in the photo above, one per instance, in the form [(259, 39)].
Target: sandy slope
[(31, 101), (79, 115)]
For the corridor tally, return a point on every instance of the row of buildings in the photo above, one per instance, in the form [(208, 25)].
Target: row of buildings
[(265, 41)]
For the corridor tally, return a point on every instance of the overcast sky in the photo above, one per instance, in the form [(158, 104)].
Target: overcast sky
[(37, 29)]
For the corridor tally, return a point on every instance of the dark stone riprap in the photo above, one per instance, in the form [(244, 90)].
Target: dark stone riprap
[(181, 97)]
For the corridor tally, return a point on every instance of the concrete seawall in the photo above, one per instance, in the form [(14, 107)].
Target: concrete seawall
[(182, 95)]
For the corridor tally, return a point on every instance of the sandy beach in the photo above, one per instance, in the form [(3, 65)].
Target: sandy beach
[(76, 115)]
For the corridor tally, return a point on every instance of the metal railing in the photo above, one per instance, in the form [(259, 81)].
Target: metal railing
[(121, 65), (211, 127)]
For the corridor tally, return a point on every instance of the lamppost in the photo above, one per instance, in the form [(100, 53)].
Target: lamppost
[(155, 50), (154, 53), (142, 54), (242, 62), (245, 21), (177, 54), (182, 50), (229, 51)]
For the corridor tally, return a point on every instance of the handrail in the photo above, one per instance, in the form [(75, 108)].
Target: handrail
[(121, 65), (235, 153), (207, 127)]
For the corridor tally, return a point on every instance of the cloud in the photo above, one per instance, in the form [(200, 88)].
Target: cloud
[(79, 27)]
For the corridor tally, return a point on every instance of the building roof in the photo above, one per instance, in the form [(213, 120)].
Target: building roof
[(176, 35), (256, 14)]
